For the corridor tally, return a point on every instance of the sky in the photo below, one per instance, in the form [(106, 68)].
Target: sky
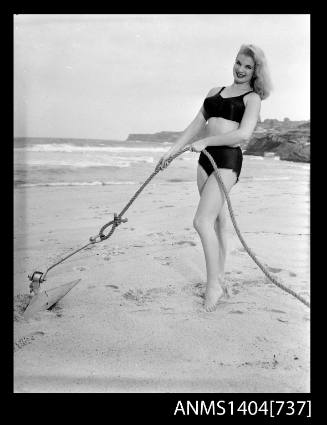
[(105, 76)]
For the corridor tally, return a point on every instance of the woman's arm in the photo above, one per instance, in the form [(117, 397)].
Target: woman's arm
[(186, 137), (189, 133), (242, 134)]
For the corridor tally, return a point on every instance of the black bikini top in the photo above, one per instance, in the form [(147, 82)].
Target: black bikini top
[(230, 108)]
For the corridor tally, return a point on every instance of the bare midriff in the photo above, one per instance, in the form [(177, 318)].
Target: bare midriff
[(216, 126)]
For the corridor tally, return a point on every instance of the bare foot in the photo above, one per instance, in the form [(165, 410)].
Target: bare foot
[(213, 295)]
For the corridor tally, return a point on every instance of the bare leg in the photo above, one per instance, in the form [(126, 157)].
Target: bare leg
[(221, 232), (210, 205)]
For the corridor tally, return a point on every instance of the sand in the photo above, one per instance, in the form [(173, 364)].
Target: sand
[(135, 322)]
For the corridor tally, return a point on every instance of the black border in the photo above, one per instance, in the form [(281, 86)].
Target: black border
[(145, 405)]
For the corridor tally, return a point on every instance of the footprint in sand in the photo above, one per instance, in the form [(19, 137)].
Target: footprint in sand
[(140, 310), (116, 252), (277, 311), (236, 312), (263, 364), (137, 295), (282, 320), (191, 243), (196, 289), (274, 269), (164, 261), (167, 310), (292, 274), (111, 286), (80, 268), (57, 310), (141, 296), (261, 339), (27, 339)]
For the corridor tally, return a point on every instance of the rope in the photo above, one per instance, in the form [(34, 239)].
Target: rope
[(118, 220), (63, 259), (38, 277), (248, 250)]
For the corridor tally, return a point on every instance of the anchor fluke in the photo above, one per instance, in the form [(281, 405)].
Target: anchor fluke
[(46, 299)]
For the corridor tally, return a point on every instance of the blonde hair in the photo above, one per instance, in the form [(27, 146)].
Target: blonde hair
[(261, 81)]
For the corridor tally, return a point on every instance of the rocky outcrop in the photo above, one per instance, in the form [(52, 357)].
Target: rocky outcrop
[(291, 145)]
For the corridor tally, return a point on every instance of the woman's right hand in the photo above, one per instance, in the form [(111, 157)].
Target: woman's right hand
[(164, 160)]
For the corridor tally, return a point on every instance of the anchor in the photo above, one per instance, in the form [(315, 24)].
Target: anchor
[(44, 300), (41, 301)]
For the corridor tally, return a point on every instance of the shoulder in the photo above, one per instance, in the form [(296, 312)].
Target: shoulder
[(252, 98), (213, 91)]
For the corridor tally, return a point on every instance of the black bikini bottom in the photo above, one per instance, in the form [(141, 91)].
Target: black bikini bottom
[(224, 157)]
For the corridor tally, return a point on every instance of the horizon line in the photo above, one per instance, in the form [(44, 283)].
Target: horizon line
[(119, 139)]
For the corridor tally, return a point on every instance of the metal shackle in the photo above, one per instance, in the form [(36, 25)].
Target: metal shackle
[(36, 279)]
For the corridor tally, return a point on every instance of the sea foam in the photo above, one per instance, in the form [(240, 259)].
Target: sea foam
[(61, 147), (94, 183)]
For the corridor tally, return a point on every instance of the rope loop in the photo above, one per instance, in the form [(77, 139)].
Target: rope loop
[(114, 223)]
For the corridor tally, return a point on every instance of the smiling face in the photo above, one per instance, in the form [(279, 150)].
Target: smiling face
[(243, 69)]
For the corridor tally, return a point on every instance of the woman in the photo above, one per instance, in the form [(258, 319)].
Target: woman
[(229, 115)]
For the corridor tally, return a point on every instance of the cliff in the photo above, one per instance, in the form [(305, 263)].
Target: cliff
[(290, 145)]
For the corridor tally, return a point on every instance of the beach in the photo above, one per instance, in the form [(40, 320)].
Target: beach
[(135, 322)]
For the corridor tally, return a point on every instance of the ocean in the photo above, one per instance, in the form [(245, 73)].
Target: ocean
[(69, 162)]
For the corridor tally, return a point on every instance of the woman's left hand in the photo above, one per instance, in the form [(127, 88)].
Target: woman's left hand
[(198, 146)]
